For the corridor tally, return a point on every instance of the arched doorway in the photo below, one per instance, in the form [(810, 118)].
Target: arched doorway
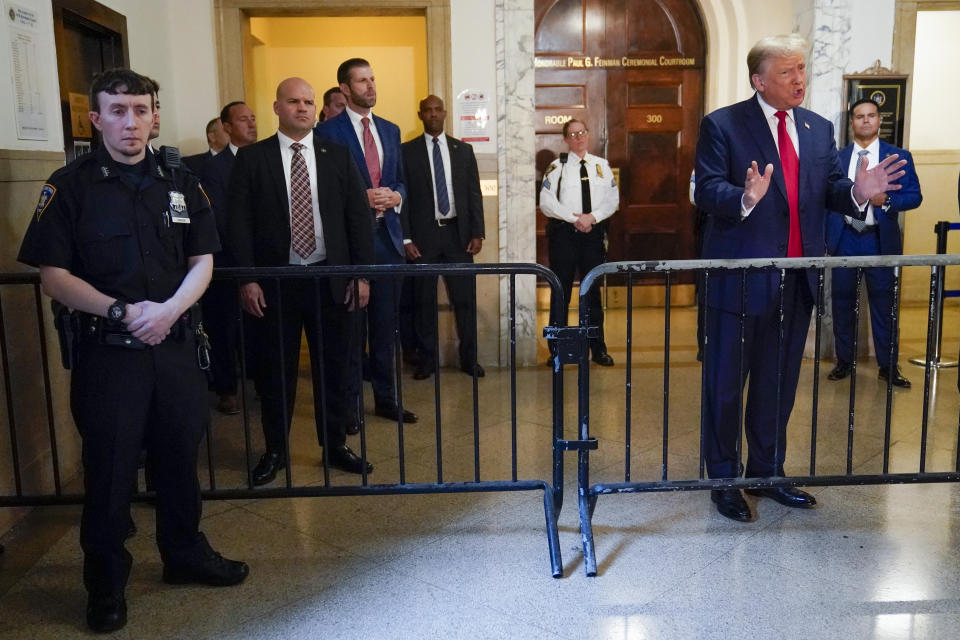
[(634, 72)]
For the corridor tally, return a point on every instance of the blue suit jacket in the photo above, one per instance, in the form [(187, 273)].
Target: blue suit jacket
[(339, 130), (730, 139), (908, 197)]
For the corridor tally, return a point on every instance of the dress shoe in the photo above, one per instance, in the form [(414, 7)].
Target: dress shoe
[(730, 504), (476, 370), (898, 380), (603, 359), (423, 371), (841, 371), (787, 496), (266, 469), (209, 568), (106, 614), (343, 458), (228, 405), (392, 412)]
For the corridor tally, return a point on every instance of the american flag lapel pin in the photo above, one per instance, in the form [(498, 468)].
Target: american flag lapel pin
[(806, 124)]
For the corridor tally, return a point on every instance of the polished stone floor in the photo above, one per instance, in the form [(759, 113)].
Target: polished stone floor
[(868, 562)]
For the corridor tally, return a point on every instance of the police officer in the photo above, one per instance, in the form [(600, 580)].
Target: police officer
[(579, 192), (126, 242)]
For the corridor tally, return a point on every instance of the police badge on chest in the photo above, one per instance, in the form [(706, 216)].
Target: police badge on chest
[(178, 208)]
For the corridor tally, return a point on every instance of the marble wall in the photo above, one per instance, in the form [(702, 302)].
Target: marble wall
[(517, 173)]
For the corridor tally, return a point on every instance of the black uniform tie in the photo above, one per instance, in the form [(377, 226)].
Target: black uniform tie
[(585, 188)]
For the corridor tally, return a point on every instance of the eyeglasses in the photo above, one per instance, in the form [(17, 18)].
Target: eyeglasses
[(576, 134)]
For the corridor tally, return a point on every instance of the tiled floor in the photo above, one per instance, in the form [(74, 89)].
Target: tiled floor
[(869, 562)]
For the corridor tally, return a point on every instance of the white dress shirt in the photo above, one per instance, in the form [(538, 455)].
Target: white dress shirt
[(286, 155), (447, 173), (357, 121), (873, 157)]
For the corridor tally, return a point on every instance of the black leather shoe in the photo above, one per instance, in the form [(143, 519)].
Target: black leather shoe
[(392, 412), (603, 359), (210, 568), (106, 614), (423, 371), (343, 458), (841, 371), (474, 370), (730, 504), (266, 469), (898, 380), (787, 496)]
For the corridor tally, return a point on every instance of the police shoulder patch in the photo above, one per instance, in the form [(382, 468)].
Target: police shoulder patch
[(549, 169), (546, 185), (46, 195)]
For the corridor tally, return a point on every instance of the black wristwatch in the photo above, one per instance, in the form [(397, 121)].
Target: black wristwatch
[(116, 312)]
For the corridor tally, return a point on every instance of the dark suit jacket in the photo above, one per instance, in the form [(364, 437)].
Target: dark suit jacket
[(258, 231), (732, 137), (198, 163), (215, 180), (339, 130), (908, 197), (419, 221)]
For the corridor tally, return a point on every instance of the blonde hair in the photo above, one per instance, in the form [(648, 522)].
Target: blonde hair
[(774, 47)]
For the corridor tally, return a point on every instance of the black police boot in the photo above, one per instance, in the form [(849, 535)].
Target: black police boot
[(106, 613), (204, 566)]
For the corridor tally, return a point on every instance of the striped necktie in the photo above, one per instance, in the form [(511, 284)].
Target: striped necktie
[(859, 225), (302, 233)]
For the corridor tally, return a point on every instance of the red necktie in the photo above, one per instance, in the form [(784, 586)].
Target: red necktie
[(791, 177), (301, 205), (370, 154)]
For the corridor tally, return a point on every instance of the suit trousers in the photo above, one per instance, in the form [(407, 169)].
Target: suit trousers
[(570, 252), (295, 307), (772, 365), (382, 319), (221, 318), (449, 249), (124, 401), (843, 293)]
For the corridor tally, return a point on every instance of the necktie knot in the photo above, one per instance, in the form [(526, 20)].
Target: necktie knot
[(862, 152), (365, 121), (781, 115), (296, 146), (435, 141)]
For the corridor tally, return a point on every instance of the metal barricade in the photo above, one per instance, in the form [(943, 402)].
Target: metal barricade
[(233, 455), (575, 351)]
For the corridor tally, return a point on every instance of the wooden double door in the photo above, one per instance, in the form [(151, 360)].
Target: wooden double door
[(633, 72)]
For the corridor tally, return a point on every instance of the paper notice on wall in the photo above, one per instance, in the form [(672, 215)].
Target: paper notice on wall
[(80, 115), (25, 68), (474, 109)]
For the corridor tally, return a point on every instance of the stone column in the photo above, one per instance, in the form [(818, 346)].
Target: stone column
[(517, 173)]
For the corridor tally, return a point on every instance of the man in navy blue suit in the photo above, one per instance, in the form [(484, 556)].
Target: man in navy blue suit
[(878, 234), (778, 211), (374, 144)]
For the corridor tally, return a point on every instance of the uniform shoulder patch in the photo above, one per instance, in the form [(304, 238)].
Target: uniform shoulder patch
[(546, 184), (600, 171), (46, 195), (549, 169)]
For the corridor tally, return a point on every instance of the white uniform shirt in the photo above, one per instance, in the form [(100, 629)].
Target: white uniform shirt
[(286, 155), (604, 193)]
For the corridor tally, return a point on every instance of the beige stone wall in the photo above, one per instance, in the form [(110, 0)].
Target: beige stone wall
[(22, 173)]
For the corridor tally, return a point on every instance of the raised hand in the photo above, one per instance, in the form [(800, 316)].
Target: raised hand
[(880, 179), (756, 184)]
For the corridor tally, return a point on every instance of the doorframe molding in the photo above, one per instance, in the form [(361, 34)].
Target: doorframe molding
[(231, 20)]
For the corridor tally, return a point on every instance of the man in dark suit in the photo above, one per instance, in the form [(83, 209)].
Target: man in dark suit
[(878, 234), (748, 219), (374, 144), (443, 223), (217, 139), (220, 310), (294, 200)]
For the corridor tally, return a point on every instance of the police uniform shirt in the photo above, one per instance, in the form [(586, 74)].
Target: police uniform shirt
[(116, 230), (604, 194)]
